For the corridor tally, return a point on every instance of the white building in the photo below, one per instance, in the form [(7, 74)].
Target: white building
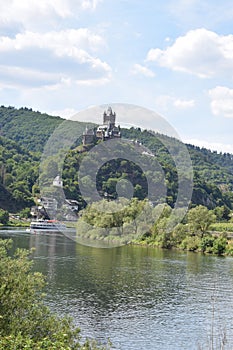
[(57, 182)]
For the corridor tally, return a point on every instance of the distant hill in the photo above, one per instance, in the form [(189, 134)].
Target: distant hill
[(31, 129), (28, 128), (25, 133)]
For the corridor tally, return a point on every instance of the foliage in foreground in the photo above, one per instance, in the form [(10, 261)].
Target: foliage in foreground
[(25, 321)]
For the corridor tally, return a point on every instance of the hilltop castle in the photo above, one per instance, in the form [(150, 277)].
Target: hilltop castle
[(107, 130)]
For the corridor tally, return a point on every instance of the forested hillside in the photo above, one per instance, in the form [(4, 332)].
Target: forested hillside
[(25, 132), (213, 172), (32, 129), (18, 175), (28, 128)]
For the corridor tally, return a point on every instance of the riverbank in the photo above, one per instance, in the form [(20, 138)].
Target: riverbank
[(16, 223), (26, 223), (211, 243)]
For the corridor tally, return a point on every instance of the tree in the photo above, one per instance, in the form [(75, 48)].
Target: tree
[(200, 219), (206, 244), (4, 216), (25, 213), (25, 322), (222, 213), (220, 245)]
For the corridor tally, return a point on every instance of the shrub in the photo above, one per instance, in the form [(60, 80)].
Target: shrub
[(219, 245), (25, 322), (206, 244), (191, 243), (4, 216)]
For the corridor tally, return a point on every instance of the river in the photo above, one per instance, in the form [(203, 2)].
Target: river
[(141, 298)]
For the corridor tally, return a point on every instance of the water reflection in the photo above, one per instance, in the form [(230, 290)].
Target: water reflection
[(142, 298)]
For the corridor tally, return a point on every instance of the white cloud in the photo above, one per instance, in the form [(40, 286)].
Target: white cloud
[(66, 113), (90, 4), (183, 104), (200, 52), (31, 14), (18, 76), (56, 57), (142, 70), (213, 146), (222, 101), (62, 42), (164, 102)]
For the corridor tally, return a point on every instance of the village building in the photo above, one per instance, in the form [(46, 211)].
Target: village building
[(57, 182)]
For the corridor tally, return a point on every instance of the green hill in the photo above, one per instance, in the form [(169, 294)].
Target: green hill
[(25, 133), (213, 175), (32, 129), (28, 128)]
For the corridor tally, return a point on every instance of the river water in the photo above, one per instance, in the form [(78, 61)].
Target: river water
[(141, 298)]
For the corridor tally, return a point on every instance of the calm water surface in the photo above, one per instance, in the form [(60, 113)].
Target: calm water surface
[(140, 298)]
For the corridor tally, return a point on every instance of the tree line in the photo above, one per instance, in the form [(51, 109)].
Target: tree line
[(137, 222)]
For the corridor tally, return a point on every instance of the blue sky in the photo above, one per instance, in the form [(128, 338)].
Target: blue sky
[(174, 57)]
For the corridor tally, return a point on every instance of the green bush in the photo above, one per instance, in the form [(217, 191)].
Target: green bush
[(25, 322), (220, 245), (206, 244), (191, 243), (229, 248), (222, 226), (4, 216), (20, 342), (25, 213)]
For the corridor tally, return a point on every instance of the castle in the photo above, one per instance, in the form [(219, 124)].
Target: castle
[(107, 130)]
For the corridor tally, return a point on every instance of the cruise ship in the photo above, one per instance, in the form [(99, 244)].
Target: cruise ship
[(46, 225)]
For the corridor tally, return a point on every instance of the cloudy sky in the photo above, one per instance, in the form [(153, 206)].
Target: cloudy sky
[(174, 57)]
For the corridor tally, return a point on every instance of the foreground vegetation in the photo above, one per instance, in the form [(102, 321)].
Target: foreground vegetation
[(25, 321)]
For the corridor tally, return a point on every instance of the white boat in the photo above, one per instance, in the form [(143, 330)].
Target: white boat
[(46, 226)]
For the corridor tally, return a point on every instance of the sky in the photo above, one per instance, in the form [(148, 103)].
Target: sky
[(173, 57)]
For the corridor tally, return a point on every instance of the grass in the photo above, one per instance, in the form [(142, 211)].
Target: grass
[(222, 227), (18, 223)]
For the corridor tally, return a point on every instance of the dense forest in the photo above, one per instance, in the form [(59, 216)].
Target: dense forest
[(18, 175), (24, 134)]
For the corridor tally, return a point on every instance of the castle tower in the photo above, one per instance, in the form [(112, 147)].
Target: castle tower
[(109, 118), (88, 136)]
